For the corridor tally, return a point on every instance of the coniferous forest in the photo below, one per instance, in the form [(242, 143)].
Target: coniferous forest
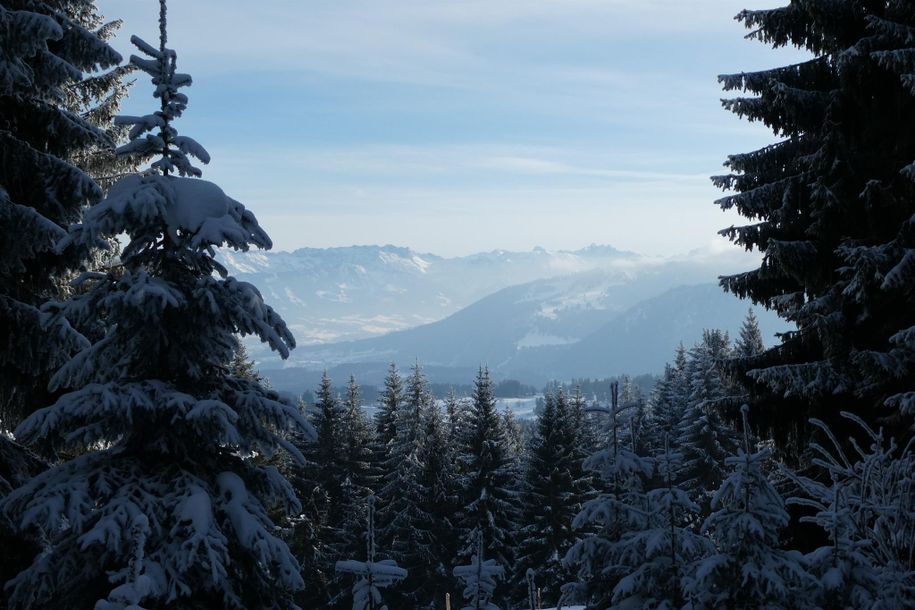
[(145, 463)]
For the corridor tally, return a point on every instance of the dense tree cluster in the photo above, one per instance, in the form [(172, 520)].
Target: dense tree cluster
[(167, 474)]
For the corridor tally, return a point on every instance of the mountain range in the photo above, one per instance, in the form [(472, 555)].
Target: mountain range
[(531, 316)]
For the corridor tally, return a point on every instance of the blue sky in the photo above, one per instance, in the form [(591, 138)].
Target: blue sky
[(460, 126)]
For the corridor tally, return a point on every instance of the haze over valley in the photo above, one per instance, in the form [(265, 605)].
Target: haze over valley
[(534, 316)]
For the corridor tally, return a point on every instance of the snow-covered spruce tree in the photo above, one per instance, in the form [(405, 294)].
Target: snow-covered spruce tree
[(402, 514), (43, 53), (454, 410), (389, 403), (438, 506), (488, 484), (307, 531), (372, 575), (552, 494), (868, 514), (737, 389), (634, 409), (830, 205), (670, 399), (703, 438), (513, 435), (241, 364), (356, 441), (657, 556), (97, 98), (355, 462), (603, 520), (326, 450), (749, 342), (338, 504), (480, 578), (748, 569), (164, 509)]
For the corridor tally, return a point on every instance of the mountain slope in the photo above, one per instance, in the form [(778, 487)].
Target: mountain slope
[(644, 337), (335, 294), (589, 324)]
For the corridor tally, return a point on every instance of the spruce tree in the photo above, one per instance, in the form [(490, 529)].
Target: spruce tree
[(657, 556), (670, 399), (703, 438), (749, 342), (604, 519), (438, 506), (44, 53), (242, 366), (163, 507), (864, 503), (403, 517), (553, 492), (489, 496), (308, 531), (830, 210), (355, 463), (386, 418), (356, 439), (748, 569), (327, 449), (454, 412)]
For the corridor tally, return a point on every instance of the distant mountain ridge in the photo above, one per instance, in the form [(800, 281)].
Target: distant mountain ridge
[(533, 315), (580, 326), (335, 294)]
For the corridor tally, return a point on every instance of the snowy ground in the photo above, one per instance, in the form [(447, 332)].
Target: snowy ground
[(523, 408)]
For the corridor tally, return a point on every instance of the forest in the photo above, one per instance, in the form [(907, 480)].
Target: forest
[(145, 463)]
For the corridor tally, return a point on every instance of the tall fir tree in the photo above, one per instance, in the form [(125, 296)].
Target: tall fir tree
[(670, 399), (327, 449), (162, 508), (604, 519), (658, 554), (241, 364), (488, 486), (831, 212), (355, 462), (439, 506), (553, 492), (44, 53), (748, 568), (403, 518), (703, 438), (454, 410), (749, 343), (389, 403)]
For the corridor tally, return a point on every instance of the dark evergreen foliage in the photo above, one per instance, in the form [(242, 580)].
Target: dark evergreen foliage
[(489, 494), (162, 506), (554, 489), (831, 209), (45, 49)]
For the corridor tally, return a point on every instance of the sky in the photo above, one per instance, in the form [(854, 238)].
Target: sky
[(459, 126)]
